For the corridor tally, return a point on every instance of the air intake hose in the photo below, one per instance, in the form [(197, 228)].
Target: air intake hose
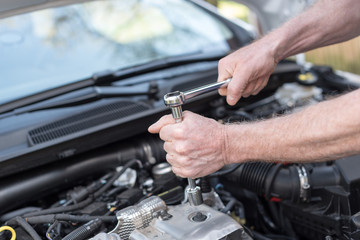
[(290, 182)]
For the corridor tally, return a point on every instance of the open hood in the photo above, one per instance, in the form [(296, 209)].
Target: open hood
[(273, 13), (14, 7)]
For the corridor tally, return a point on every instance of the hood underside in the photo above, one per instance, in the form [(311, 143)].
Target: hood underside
[(273, 13)]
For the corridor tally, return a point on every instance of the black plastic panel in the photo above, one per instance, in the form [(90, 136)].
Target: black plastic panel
[(84, 120)]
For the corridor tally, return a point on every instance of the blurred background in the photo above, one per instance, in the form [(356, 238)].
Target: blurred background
[(344, 56)]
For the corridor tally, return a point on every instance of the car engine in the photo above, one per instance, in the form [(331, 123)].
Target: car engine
[(126, 190)]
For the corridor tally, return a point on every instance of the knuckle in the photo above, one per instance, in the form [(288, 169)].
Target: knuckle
[(181, 149), (176, 171), (162, 135), (163, 118), (166, 146), (191, 172), (187, 172), (222, 62), (179, 133)]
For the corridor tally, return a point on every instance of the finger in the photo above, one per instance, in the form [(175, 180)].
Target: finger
[(172, 161), (236, 87), (184, 172), (257, 88), (163, 121), (222, 91), (256, 91), (224, 69), (261, 87), (170, 132), (177, 171), (250, 88), (169, 147)]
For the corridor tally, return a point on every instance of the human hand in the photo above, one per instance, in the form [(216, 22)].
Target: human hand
[(195, 147), (249, 67)]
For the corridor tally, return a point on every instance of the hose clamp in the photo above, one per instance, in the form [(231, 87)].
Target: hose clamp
[(304, 183)]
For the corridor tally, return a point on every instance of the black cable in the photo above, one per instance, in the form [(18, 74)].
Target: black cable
[(279, 237), (115, 191), (85, 231), (86, 201), (265, 217), (62, 208), (67, 217), (18, 212), (19, 221), (232, 201), (228, 170), (48, 231), (258, 236), (259, 103), (229, 206), (115, 177)]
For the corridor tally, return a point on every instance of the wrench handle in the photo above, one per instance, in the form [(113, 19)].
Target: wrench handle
[(205, 89)]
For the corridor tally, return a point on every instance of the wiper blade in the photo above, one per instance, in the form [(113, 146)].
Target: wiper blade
[(89, 94), (106, 77)]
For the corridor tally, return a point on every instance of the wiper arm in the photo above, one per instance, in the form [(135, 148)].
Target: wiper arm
[(89, 94), (107, 77)]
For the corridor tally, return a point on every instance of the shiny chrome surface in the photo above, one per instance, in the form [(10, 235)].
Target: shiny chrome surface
[(175, 100), (138, 216), (205, 89), (194, 194)]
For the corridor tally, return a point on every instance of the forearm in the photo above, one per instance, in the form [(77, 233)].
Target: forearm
[(327, 22), (328, 130)]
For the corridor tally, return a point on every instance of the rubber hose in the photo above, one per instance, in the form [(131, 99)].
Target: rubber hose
[(281, 181), (19, 221), (15, 191), (85, 231), (267, 179), (66, 217), (18, 212), (88, 200), (253, 175)]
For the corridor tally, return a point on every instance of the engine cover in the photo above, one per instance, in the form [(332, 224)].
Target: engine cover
[(185, 225)]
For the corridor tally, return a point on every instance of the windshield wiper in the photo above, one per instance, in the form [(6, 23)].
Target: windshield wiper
[(104, 78), (89, 94)]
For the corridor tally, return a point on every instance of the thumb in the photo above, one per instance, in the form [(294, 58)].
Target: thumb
[(163, 121)]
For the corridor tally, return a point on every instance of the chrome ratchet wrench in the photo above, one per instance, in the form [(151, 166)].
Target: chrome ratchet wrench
[(175, 100)]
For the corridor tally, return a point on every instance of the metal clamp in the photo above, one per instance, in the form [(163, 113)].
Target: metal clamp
[(304, 183)]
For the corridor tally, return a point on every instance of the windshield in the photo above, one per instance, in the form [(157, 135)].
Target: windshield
[(54, 47)]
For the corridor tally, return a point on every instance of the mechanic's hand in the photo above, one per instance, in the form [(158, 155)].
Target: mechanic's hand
[(249, 67), (195, 147)]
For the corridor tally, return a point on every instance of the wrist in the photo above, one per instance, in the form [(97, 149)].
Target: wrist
[(239, 144), (276, 43)]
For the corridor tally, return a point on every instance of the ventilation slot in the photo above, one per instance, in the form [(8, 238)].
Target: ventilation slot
[(84, 120)]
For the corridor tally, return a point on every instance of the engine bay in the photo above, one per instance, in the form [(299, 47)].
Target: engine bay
[(126, 189)]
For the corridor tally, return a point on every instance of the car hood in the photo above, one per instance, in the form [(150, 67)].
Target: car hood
[(15, 7), (273, 13)]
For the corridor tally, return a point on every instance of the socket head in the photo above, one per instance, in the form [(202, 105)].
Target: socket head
[(174, 99)]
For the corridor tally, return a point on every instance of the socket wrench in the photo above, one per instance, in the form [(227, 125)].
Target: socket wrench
[(175, 100)]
